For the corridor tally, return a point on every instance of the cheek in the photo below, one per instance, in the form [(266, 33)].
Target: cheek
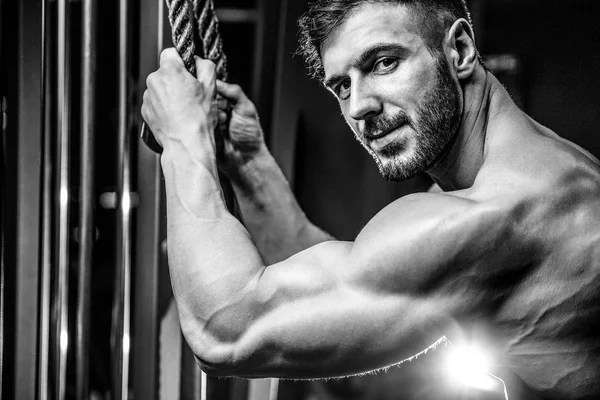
[(408, 86)]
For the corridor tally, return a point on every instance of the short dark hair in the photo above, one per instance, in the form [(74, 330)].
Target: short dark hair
[(324, 16)]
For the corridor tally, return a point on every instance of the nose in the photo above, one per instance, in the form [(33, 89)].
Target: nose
[(364, 102)]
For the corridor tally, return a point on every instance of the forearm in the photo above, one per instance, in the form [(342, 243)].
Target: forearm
[(270, 211), (212, 260)]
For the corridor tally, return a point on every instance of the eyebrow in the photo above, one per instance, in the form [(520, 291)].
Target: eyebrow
[(364, 58)]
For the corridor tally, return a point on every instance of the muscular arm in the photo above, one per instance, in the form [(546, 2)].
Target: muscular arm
[(244, 318), (352, 306)]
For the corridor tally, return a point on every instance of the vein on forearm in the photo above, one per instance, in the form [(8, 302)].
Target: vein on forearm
[(211, 256), (192, 184)]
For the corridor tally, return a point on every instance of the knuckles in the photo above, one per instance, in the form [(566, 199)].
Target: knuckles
[(168, 55), (144, 111), (206, 69), (149, 81), (205, 64), (237, 90)]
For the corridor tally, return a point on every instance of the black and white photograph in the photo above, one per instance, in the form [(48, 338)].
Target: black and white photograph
[(299, 200)]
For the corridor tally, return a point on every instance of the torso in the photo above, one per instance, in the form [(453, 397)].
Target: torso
[(549, 324)]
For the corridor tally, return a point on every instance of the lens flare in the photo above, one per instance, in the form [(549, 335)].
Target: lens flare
[(470, 365)]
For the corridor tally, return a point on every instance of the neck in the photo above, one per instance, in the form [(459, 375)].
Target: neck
[(461, 162)]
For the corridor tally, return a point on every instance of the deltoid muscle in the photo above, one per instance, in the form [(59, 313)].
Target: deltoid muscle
[(195, 31)]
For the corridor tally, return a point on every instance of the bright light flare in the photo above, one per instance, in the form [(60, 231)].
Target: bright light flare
[(470, 365), (126, 202), (64, 340), (126, 344), (64, 196)]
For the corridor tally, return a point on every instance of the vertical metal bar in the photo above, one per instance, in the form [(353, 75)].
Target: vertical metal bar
[(43, 392), (29, 123), (286, 110), (274, 390), (64, 140), (122, 309), (2, 210), (145, 369), (267, 33), (260, 389), (86, 237), (193, 382)]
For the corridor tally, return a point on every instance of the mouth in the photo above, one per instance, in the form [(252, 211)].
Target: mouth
[(382, 134), (383, 139)]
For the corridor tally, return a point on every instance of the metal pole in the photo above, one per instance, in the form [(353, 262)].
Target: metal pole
[(274, 389), (122, 306), (2, 214), (149, 226), (25, 126), (43, 392), (86, 228), (64, 135)]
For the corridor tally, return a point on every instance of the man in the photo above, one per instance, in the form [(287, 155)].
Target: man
[(508, 246)]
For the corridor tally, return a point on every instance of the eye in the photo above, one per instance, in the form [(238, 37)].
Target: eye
[(343, 89), (385, 64)]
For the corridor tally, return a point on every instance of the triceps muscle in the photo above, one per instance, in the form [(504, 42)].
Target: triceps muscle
[(319, 322)]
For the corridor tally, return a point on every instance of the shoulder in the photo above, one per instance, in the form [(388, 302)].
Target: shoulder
[(429, 241), (422, 213)]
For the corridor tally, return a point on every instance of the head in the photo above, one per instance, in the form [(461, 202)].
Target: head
[(395, 67)]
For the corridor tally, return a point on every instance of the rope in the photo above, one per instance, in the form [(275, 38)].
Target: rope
[(208, 32), (182, 31), (195, 31)]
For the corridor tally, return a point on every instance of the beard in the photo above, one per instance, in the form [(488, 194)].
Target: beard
[(435, 126)]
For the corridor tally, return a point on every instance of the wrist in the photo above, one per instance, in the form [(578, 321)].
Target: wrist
[(258, 171), (196, 138), (249, 167), (197, 150)]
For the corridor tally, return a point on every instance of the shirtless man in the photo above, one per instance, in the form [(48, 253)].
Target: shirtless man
[(509, 244)]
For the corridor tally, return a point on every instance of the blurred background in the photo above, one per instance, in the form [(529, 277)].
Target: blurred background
[(86, 309)]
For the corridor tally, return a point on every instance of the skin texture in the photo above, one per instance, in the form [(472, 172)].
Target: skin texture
[(508, 251)]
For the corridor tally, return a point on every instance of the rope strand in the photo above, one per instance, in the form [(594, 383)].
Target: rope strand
[(194, 31)]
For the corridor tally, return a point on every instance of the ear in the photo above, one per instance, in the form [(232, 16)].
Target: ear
[(463, 50)]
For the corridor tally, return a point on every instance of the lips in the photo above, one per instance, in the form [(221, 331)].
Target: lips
[(383, 133), (395, 137)]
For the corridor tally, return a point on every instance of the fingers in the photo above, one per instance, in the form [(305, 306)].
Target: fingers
[(236, 98), (206, 70), (170, 56), (223, 116), (145, 105), (231, 92), (222, 102)]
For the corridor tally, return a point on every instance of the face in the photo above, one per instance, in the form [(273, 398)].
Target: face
[(402, 103)]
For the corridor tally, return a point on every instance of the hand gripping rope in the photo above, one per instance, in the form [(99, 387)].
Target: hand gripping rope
[(195, 31)]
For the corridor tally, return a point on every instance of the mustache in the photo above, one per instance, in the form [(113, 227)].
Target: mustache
[(385, 123)]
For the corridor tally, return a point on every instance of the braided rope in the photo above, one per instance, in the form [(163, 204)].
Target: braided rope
[(182, 31), (208, 32), (204, 41)]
